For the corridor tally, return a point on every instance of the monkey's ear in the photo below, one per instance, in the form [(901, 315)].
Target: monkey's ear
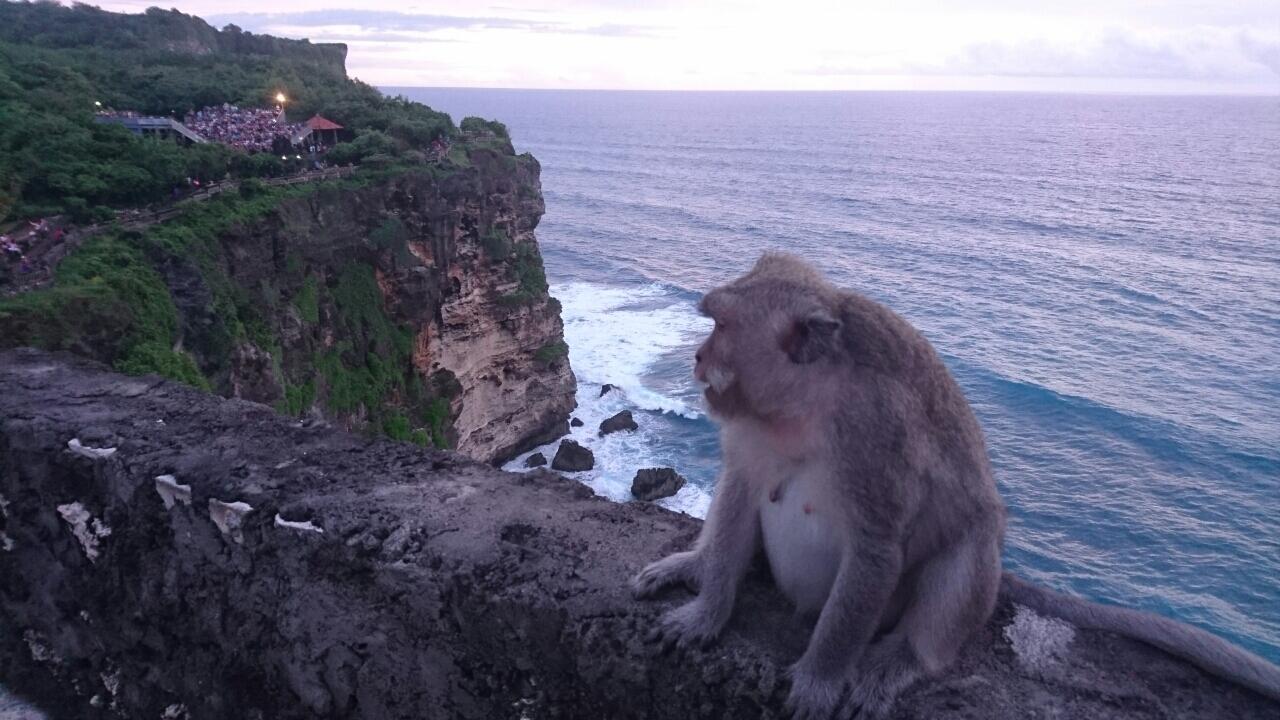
[(810, 338)]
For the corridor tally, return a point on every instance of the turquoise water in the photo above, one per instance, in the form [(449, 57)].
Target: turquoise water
[(1101, 273)]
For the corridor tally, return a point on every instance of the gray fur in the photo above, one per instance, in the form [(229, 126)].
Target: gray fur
[(853, 460)]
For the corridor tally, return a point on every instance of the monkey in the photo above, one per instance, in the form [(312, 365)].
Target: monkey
[(853, 460)]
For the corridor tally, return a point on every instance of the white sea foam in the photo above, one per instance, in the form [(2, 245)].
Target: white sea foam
[(616, 335)]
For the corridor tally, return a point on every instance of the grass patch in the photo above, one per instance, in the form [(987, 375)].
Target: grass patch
[(298, 399), (530, 275), (437, 420), (496, 244), (458, 155), (307, 301), (108, 303), (552, 351)]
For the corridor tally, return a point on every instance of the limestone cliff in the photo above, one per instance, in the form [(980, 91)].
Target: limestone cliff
[(167, 553), (410, 303), (436, 273)]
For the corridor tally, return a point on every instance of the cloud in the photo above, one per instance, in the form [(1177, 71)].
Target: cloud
[(1262, 52), (389, 23), (1217, 55), (345, 36)]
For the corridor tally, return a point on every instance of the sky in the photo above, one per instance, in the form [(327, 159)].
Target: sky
[(1170, 46)]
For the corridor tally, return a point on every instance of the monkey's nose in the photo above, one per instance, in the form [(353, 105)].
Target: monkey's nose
[(697, 357)]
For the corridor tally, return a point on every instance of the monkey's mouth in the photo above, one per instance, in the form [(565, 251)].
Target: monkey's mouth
[(723, 402)]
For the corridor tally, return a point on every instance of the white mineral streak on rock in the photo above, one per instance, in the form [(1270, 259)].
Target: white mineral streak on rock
[(304, 525), (39, 648), (175, 711), (91, 453), (6, 542), (229, 517), (171, 491), (87, 529), (111, 681), (1038, 642)]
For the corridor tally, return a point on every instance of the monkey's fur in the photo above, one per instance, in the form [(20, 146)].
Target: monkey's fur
[(852, 457)]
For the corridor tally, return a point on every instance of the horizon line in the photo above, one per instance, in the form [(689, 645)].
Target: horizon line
[(1129, 93)]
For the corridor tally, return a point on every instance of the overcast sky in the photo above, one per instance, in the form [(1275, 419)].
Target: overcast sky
[(1230, 46)]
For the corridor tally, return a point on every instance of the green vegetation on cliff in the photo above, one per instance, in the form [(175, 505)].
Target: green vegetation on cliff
[(531, 276), (114, 300), (56, 62), (109, 299), (316, 297)]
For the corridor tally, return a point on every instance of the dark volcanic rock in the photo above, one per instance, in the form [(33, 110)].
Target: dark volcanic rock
[(656, 483), (575, 422), (535, 460), (605, 388), (619, 422), (572, 457), (404, 583)]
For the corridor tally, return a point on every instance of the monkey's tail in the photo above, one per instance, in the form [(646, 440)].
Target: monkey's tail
[(1205, 650)]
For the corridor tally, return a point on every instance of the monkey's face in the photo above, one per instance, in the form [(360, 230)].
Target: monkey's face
[(762, 357), (714, 363)]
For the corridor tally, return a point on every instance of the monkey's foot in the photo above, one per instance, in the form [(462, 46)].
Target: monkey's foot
[(680, 568), (888, 668), (813, 697), (690, 625)]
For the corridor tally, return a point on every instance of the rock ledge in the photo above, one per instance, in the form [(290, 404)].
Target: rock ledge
[(301, 572)]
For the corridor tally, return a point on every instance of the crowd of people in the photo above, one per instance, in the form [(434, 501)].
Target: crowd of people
[(252, 129)]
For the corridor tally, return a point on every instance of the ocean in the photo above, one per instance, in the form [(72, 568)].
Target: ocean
[(1101, 274)]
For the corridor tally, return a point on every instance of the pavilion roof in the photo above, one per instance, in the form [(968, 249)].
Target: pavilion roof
[(319, 123)]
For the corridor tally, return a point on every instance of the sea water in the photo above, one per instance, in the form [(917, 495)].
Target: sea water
[(1101, 274)]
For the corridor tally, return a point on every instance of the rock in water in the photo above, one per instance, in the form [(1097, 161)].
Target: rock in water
[(656, 483), (606, 388), (535, 460), (621, 421), (572, 457), (575, 422)]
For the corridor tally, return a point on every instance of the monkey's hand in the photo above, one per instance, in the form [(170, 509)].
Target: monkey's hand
[(816, 698), (680, 568), (694, 624)]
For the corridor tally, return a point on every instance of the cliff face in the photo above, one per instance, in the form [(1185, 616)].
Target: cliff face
[(410, 303), (415, 305), (168, 553)]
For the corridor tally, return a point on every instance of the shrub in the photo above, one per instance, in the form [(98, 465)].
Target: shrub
[(551, 351), (480, 126), (496, 244), (367, 143)]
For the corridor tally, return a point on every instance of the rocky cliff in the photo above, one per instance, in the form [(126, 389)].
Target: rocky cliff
[(437, 274), (168, 553), (409, 303)]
